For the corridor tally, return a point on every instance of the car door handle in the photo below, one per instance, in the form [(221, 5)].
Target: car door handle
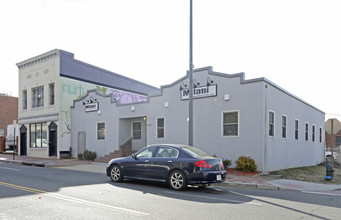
[(146, 161), (169, 161)]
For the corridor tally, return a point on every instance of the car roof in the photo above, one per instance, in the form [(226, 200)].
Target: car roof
[(168, 145)]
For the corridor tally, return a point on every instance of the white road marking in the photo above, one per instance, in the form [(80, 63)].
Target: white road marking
[(214, 198), (6, 168)]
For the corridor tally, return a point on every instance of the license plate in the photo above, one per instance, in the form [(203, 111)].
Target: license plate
[(218, 177)]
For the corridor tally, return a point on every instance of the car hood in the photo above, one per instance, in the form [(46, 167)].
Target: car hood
[(120, 159)]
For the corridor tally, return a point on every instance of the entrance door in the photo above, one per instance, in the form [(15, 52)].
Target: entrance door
[(23, 140), (138, 133), (52, 140), (81, 142)]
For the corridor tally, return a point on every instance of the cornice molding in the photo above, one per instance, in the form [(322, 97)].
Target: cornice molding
[(38, 59)]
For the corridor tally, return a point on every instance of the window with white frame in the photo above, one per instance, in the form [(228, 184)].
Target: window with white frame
[(160, 128), (271, 124), (24, 99), (306, 131), (313, 133), (137, 130), (296, 129), (284, 126), (101, 131), (51, 94), (38, 97), (230, 124)]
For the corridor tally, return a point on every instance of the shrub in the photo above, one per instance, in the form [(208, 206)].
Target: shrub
[(89, 155), (227, 163), (246, 164), (80, 156)]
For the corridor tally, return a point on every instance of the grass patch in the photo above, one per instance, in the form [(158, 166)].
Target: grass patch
[(315, 174)]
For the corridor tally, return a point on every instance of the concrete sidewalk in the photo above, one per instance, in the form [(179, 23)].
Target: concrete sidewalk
[(232, 180), (42, 162)]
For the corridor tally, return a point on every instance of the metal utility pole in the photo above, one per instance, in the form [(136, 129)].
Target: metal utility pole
[(332, 147), (14, 146), (190, 116)]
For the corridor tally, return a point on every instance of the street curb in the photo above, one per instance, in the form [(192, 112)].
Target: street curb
[(252, 185), (29, 163), (37, 163), (11, 161)]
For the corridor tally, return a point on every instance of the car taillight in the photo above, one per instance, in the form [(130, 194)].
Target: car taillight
[(202, 163)]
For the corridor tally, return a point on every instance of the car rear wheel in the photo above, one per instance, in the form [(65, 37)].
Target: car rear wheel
[(177, 180), (116, 173)]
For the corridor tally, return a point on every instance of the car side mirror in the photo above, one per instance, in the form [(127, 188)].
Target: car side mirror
[(134, 156)]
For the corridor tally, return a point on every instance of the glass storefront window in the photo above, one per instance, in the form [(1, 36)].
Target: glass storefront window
[(44, 135), (38, 135), (32, 135)]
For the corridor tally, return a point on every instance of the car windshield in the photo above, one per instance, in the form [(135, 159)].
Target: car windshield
[(194, 152)]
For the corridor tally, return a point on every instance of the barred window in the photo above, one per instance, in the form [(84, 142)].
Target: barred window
[(306, 131), (320, 135), (284, 126), (296, 130), (271, 124)]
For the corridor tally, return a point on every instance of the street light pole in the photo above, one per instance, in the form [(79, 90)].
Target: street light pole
[(190, 116), (14, 147)]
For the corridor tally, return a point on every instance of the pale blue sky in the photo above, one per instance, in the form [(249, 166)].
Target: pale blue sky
[(294, 43)]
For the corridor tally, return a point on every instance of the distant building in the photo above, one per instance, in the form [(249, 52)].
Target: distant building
[(8, 112), (48, 83), (12, 137), (232, 117)]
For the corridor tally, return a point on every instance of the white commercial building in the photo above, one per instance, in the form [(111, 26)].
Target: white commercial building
[(48, 84), (232, 117)]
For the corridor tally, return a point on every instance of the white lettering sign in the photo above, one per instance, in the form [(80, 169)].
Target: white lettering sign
[(200, 92), (90, 107)]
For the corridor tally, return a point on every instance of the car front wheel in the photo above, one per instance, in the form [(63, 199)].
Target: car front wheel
[(116, 173), (177, 180)]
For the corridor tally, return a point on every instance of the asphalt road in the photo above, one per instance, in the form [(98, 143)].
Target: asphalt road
[(48, 193)]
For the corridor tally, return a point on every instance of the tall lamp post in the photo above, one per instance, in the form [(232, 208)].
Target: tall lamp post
[(190, 116), (14, 147)]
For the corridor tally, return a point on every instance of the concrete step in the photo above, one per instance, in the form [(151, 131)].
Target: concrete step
[(107, 158)]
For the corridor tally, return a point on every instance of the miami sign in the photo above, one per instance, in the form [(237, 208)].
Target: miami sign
[(199, 92)]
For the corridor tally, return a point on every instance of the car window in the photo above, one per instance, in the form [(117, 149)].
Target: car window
[(146, 153), (167, 152), (194, 152)]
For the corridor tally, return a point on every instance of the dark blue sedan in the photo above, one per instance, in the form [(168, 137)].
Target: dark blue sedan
[(177, 165)]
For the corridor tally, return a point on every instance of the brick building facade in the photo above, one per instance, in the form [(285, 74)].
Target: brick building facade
[(8, 112)]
